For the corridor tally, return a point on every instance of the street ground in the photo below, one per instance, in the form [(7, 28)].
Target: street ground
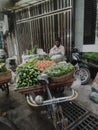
[(26, 118)]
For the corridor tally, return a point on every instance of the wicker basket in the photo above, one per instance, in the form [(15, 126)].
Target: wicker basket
[(63, 80), (5, 76)]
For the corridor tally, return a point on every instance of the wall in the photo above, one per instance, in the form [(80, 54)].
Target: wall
[(79, 23)]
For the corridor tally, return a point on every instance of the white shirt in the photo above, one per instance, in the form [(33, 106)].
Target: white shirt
[(57, 50)]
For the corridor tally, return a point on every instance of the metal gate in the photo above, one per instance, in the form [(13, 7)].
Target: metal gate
[(39, 24)]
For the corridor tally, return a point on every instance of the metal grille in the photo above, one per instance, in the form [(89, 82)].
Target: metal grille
[(78, 117), (89, 122), (73, 112), (23, 35), (40, 24)]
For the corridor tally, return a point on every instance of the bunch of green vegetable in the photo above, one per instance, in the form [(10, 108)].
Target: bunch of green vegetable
[(91, 55), (58, 69), (31, 62), (26, 76), (32, 51), (3, 67)]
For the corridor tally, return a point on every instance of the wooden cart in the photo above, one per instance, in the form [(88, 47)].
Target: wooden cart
[(5, 77), (53, 105)]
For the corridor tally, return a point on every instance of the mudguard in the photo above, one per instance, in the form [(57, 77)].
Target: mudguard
[(83, 65)]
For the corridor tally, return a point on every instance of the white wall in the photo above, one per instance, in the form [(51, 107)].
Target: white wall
[(79, 24)]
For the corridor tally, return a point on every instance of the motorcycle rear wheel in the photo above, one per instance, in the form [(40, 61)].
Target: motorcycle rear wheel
[(84, 75)]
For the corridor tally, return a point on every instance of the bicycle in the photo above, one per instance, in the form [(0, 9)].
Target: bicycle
[(52, 103)]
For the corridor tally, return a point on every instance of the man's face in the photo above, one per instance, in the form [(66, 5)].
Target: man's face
[(57, 43)]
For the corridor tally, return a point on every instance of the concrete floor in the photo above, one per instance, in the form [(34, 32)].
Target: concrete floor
[(26, 118), (83, 98)]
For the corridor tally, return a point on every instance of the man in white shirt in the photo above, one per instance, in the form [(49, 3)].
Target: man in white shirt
[(58, 51)]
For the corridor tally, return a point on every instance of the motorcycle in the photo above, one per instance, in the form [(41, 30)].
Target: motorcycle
[(81, 69)]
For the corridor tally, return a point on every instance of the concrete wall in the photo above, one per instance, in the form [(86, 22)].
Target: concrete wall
[(79, 23)]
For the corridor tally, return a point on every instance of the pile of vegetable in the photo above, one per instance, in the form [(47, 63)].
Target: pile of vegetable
[(26, 76), (27, 73), (58, 69), (44, 64)]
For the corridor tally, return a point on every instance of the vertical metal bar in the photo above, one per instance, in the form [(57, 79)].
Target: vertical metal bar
[(33, 32), (50, 5), (51, 31), (43, 25), (53, 34), (70, 30), (61, 4), (39, 37), (50, 27), (37, 33), (57, 4), (31, 41), (58, 24), (46, 30), (61, 25), (66, 30)]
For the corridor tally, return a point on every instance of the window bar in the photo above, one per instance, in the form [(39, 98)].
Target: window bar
[(43, 25), (50, 33), (32, 32), (49, 6), (37, 25), (46, 31), (53, 31), (50, 30)]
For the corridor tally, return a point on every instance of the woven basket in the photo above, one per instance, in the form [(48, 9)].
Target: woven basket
[(63, 80), (5, 76)]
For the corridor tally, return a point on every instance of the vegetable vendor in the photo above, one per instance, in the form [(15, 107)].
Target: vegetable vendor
[(57, 52)]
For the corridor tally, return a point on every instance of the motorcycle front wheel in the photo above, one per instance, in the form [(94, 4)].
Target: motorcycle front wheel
[(84, 75)]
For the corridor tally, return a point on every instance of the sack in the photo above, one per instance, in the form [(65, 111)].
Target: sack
[(57, 58), (95, 88), (94, 97)]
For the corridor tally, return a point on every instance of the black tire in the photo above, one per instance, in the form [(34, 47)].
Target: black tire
[(5, 88), (6, 124), (84, 75)]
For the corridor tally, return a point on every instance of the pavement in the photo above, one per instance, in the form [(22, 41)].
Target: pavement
[(26, 118), (83, 98)]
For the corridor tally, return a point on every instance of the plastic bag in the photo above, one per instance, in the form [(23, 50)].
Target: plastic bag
[(13, 79), (76, 84), (94, 97), (95, 84)]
